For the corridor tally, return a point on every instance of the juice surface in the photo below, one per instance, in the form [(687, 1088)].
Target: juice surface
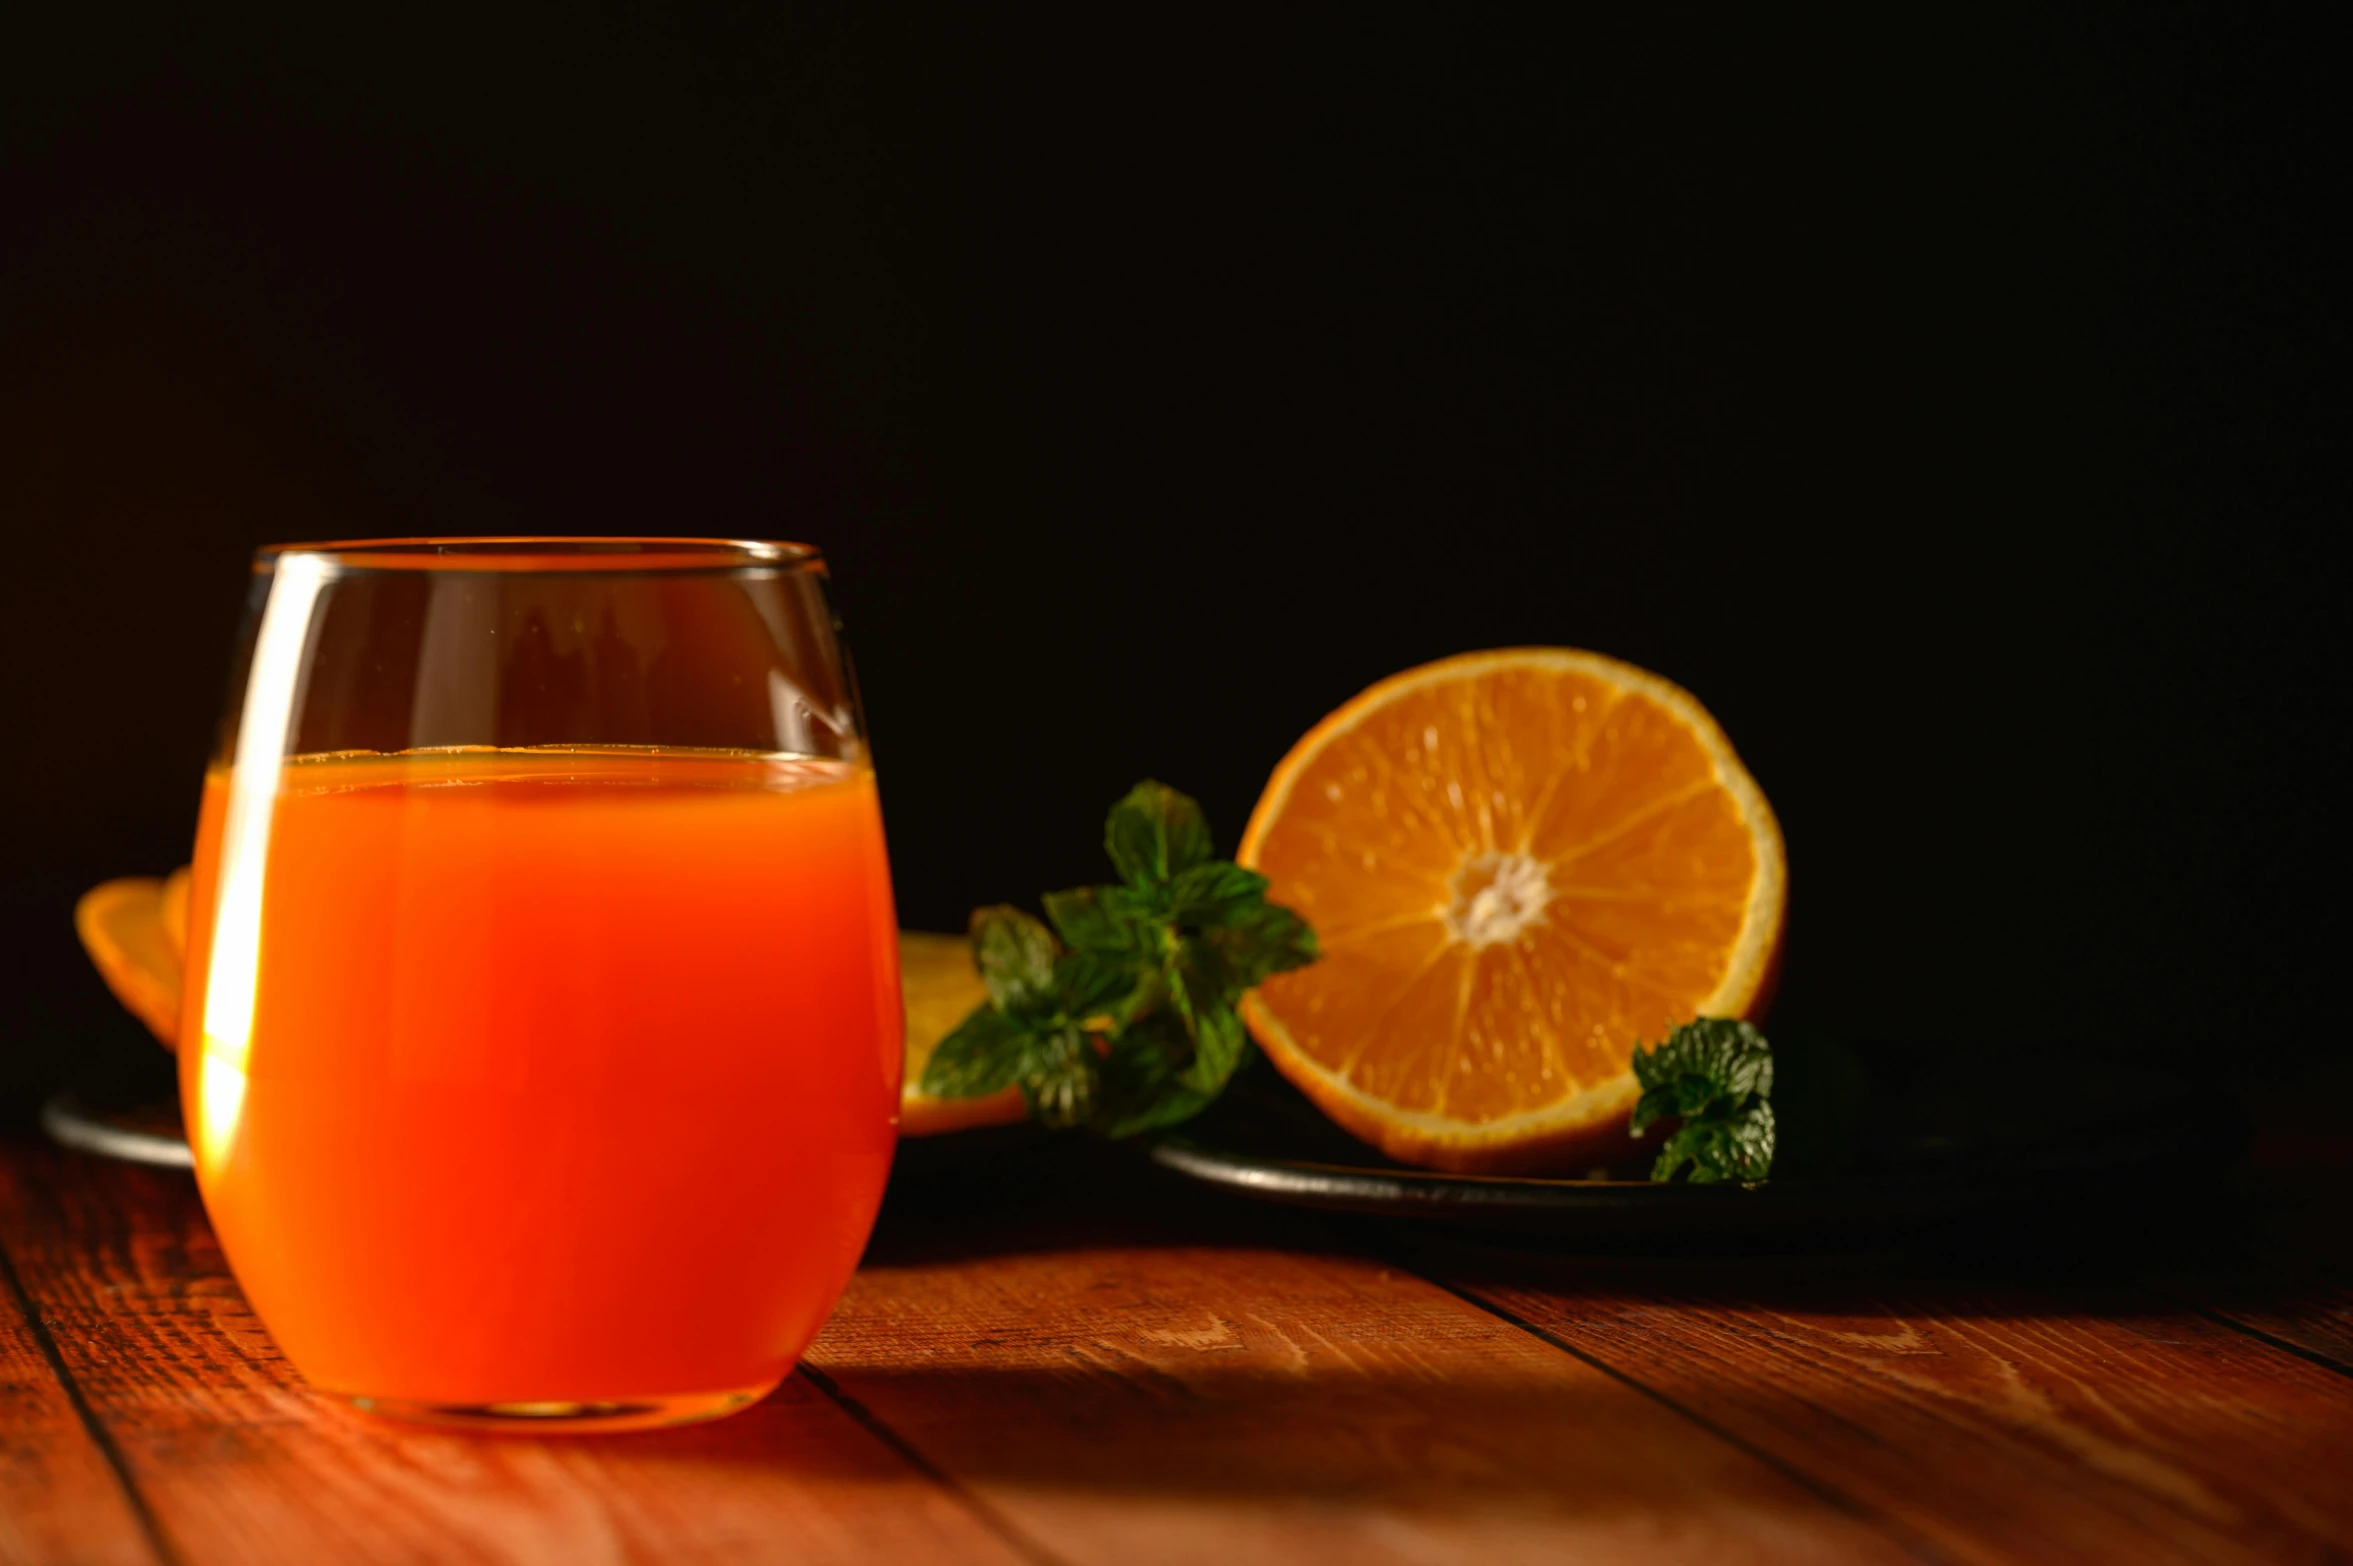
[(541, 1075)]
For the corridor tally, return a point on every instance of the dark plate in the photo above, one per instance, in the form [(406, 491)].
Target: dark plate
[(141, 1125), (138, 1130), (1873, 1136)]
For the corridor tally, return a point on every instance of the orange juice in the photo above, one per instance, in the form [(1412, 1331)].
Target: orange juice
[(559, 1080)]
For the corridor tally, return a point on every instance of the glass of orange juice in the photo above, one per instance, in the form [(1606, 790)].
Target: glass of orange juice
[(542, 1045)]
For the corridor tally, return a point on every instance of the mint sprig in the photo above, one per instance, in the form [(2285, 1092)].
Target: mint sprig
[(1121, 1017), (1715, 1076)]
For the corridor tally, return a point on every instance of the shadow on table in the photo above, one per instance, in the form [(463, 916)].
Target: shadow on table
[(2256, 1261), (2264, 1201), (1689, 1420)]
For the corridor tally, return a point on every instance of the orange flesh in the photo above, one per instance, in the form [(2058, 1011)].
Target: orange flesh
[(568, 1076), (942, 986), (126, 927), (1515, 875)]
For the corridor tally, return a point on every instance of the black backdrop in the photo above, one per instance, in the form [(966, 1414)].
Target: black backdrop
[(1952, 399)]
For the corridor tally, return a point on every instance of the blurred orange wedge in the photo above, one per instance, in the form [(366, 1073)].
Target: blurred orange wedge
[(941, 985), (1519, 863), (136, 930), (133, 930)]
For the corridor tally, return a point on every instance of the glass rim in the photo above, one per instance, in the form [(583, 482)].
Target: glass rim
[(548, 552)]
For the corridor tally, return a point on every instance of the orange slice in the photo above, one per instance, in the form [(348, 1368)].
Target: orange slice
[(136, 931), (123, 927), (941, 985), (1519, 863), (171, 906)]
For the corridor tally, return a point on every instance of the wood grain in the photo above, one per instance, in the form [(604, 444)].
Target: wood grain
[(1126, 1401), (2000, 1424), (238, 1462), (60, 1498), (2287, 1272), (1080, 1370), (2314, 1318)]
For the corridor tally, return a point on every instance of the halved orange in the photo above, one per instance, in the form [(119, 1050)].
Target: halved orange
[(1519, 864), (136, 931)]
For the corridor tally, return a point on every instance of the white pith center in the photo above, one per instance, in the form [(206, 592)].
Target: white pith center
[(1496, 896)]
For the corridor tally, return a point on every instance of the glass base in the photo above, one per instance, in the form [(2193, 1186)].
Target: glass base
[(560, 1418)]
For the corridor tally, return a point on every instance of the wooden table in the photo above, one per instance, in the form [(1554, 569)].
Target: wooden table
[(1084, 1361)]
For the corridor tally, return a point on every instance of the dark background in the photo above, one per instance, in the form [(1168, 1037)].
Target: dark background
[(1953, 400)]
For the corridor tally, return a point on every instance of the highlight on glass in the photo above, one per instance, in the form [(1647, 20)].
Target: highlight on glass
[(541, 1046)]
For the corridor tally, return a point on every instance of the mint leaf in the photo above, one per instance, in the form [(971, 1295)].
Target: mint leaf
[(1140, 1079), (1715, 1076), (1016, 957), (1170, 1105), (1259, 942), (1088, 923), (1703, 1060), (1219, 1042), (1060, 1078), (984, 1055), (1145, 908), (1133, 1026), (1088, 984), (1155, 833), (1199, 980), (1736, 1146), (1215, 892)]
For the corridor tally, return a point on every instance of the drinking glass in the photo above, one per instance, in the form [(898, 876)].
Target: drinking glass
[(542, 1034)]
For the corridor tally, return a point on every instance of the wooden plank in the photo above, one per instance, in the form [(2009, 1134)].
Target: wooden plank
[(60, 1499), (1998, 1423), (239, 1463), (1125, 1393), (2313, 1318), (2284, 1269)]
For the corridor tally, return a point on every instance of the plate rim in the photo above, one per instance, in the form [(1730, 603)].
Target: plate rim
[(71, 1123)]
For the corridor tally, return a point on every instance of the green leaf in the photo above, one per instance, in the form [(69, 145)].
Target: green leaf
[(1088, 920), (1060, 1079), (1730, 1056), (1140, 1087), (1737, 1145), (1168, 1107), (1714, 1076), (1143, 908), (1133, 1026), (1016, 957), (1087, 984), (983, 1055), (1749, 1143), (1260, 942), (1154, 834), (1149, 995), (1212, 893), (1200, 981), (1219, 1042)]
